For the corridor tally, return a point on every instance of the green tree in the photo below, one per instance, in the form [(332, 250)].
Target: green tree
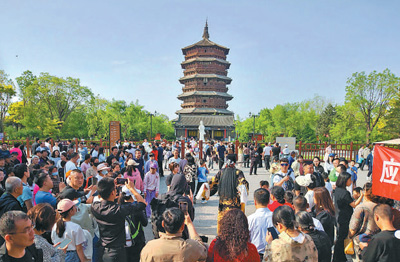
[(371, 94), (325, 121), (7, 92)]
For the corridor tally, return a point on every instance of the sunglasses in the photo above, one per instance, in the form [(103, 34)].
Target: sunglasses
[(284, 164)]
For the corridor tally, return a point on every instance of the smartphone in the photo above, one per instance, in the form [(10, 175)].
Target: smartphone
[(272, 230), (121, 181), (184, 207), (64, 243)]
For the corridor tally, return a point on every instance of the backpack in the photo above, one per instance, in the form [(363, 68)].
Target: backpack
[(132, 230), (190, 172), (288, 185), (158, 206)]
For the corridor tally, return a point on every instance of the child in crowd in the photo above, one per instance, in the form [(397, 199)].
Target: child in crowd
[(264, 184), (202, 172), (357, 193), (354, 171), (151, 186), (328, 184)]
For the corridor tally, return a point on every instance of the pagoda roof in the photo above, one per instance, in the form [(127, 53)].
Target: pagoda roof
[(205, 42), (205, 59), (204, 110), (205, 93), (182, 79), (208, 120)]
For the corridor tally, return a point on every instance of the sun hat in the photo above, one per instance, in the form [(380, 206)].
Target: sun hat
[(66, 204), (103, 166), (132, 162)]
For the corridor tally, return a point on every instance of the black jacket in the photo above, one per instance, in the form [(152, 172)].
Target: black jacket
[(110, 218), (8, 202), (323, 245), (31, 251)]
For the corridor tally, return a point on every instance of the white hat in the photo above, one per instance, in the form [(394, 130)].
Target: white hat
[(127, 192), (132, 162), (103, 166)]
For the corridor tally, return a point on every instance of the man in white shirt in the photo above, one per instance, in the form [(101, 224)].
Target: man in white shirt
[(267, 155), (72, 163), (284, 177), (95, 152), (260, 221)]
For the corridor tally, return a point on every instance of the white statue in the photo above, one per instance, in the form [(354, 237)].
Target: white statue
[(201, 130)]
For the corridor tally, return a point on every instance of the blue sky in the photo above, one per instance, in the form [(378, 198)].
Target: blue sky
[(281, 51)]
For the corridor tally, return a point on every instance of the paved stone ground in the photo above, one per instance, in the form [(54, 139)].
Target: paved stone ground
[(206, 214)]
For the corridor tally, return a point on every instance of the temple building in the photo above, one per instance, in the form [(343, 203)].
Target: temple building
[(205, 91)]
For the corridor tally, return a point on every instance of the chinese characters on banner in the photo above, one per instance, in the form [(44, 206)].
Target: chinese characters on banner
[(115, 132), (386, 172)]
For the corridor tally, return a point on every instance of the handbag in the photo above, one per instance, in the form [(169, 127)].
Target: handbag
[(348, 246)]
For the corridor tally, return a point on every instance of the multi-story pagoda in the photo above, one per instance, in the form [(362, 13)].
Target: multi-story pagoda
[(205, 90)]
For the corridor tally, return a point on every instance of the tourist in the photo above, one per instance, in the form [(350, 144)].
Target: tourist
[(65, 228), (260, 221), (308, 181), (139, 160), (328, 166), (18, 151), (22, 171), (267, 155), (95, 151), (133, 174), (174, 168), (276, 150), (55, 156), (229, 197), (284, 178), (9, 200), (171, 244), (384, 246), (344, 205), (300, 204), (45, 184), (74, 190), (151, 186), (233, 240), (324, 211), (83, 151), (297, 166), (72, 163), (149, 162), (17, 230), (362, 221), (246, 155), (43, 217), (160, 150), (190, 172), (221, 150), (202, 172), (253, 160), (85, 164), (277, 197), (134, 223), (110, 218), (305, 224), (291, 245), (366, 151)]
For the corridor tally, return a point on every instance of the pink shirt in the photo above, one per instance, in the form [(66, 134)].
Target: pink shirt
[(137, 178), (85, 167), (151, 181)]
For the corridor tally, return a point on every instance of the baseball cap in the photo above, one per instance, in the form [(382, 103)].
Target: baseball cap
[(66, 204), (153, 165)]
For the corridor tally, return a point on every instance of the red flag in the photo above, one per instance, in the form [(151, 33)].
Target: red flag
[(386, 172)]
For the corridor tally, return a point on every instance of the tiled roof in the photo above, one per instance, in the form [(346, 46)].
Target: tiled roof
[(208, 120), (205, 42), (204, 110), (205, 59), (227, 79), (205, 93)]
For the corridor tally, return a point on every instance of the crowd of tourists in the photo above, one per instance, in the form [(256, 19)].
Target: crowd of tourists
[(78, 203)]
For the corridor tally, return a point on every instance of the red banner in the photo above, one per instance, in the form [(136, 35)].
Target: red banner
[(386, 172)]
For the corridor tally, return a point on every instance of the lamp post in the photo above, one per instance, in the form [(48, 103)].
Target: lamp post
[(254, 124), (151, 123)]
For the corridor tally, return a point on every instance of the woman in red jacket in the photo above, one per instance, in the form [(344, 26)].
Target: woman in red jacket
[(232, 242)]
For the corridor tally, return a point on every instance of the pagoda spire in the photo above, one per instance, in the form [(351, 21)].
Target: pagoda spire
[(205, 33)]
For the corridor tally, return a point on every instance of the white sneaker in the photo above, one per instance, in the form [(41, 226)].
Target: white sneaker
[(204, 202)]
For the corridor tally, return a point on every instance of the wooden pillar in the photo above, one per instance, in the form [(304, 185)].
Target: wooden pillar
[(351, 151), (28, 153), (101, 141), (76, 145), (300, 147), (201, 148), (182, 149)]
